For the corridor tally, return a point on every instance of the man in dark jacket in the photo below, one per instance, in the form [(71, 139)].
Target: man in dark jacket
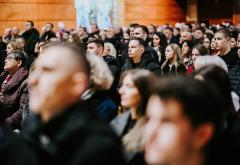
[(140, 58), (31, 37), (234, 76), (97, 47), (66, 130)]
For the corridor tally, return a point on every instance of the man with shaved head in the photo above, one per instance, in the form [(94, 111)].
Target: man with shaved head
[(66, 129)]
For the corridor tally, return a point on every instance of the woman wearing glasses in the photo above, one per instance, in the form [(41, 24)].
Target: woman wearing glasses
[(14, 88)]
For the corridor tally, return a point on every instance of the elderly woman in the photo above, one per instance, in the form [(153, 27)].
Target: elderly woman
[(101, 80), (14, 88)]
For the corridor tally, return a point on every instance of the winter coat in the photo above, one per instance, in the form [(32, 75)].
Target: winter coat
[(115, 69), (102, 104), (148, 61), (166, 70), (31, 37), (76, 136), (15, 96), (234, 76), (119, 125)]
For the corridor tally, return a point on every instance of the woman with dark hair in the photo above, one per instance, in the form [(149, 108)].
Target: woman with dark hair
[(197, 50), (159, 44), (186, 52), (135, 90), (207, 42), (14, 87)]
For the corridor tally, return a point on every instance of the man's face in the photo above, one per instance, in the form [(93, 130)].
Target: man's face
[(28, 25), (184, 36), (94, 28), (15, 31), (52, 81), (92, 48), (233, 42), (139, 33), (221, 42), (198, 34), (169, 135), (135, 50), (110, 32), (167, 33)]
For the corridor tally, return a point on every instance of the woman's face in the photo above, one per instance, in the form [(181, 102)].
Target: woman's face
[(70, 38), (233, 42), (206, 43), (11, 64), (169, 53), (195, 54), (185, 49), (156, 40), (213, 47), (107, 50), (9, 48), (130, 96)]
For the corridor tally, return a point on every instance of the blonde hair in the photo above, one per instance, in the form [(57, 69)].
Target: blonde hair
[(100, 75), (134, 140), (176, 56), (16, 45), (203, 61), (113, 51)]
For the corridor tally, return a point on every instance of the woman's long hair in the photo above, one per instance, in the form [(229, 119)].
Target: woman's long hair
[(143, 80)]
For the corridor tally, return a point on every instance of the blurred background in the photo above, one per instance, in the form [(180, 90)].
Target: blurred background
[(117, 12)]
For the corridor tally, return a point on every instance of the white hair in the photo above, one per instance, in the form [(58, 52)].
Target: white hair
[(100, 76), (203, 61), (113, 51)]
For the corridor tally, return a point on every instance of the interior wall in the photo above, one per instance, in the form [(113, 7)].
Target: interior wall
[(16, 12), (154, 11)]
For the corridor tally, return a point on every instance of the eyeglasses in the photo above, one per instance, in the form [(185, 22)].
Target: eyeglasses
[(8, 58)]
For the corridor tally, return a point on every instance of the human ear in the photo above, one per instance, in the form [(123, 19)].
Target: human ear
[(203, 134), (19, 63), (80, 83)]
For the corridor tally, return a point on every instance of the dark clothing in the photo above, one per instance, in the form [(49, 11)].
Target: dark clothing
[(47, 36), (102, 103), (76, 136), (14, 97), (115, 69), (147, 62), (113, 65), (3, 54), (13, 151), (31, 37), (230, 59), (174, 40), (167, 70), (234, 76), (122, 124)]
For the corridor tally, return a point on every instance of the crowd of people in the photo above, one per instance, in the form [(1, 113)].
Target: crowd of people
[(135, 95)]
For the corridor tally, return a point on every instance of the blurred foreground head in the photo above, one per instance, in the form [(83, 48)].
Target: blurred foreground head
[(60, 77), (184, 117)]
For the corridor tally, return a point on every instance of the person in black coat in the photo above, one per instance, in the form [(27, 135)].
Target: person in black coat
[(234, 76), (12, 148), (31, 37), (96, 47), (140, 58), (66, 129)]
